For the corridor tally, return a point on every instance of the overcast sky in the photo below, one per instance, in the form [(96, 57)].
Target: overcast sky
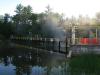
[(68, 7)]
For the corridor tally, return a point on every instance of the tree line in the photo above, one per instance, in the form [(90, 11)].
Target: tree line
[(26, 22), (46, 24)]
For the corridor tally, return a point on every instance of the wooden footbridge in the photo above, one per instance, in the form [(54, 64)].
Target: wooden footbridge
[(47, 44), (55, 45)]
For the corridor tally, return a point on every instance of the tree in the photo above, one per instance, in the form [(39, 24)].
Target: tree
[(26, 13), (22, 19), (51, 26), (6, 18), (97, 19), (6, 28), (19, 9), (35, 24), (1, 18)]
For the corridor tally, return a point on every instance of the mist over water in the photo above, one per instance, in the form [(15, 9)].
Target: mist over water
[(52, 27)]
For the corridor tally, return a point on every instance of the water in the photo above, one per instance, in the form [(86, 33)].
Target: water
[(31, 62)]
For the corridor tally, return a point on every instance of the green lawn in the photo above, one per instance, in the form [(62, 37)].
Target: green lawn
[(86, 63)]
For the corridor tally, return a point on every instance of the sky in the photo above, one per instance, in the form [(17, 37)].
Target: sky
[(68, 7)]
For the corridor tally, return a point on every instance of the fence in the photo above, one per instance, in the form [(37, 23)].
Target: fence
[(87, 41), (50, 44)]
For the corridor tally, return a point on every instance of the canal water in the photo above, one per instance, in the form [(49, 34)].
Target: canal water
[(19, 61)]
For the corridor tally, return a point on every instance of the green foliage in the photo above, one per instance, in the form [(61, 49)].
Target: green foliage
[(22, 19), (86, 63), (19, 9), (25, 22), (6, 29), (23, 14)]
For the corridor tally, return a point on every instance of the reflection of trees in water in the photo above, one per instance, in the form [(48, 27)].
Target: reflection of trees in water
[(7, 60), (38, 70), (24, 69), (23, 64), (60, 69), (26, 62)]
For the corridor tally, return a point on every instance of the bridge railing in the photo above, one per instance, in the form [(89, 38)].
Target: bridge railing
[(87, 41), (50, 44)]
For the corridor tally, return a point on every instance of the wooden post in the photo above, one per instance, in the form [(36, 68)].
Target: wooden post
[(96, 33), (48, 44), (53, 43), (66, 46), (42, 43), (73, 35), (59, 46), (45, 41)]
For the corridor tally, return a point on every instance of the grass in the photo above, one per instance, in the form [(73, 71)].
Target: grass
[(87, 63)]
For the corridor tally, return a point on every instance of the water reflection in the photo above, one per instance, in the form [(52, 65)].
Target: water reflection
[(29, 62)]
